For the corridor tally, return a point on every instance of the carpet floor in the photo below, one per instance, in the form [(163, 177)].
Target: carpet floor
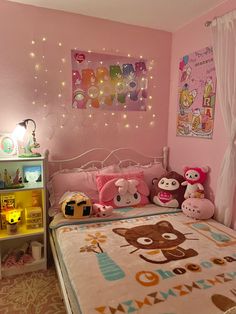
[(31, 293)]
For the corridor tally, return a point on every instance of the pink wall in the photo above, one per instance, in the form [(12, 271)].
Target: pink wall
[(20, 24), (195, 151)]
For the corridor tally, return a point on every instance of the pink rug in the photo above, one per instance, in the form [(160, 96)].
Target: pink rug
[(31, 293)]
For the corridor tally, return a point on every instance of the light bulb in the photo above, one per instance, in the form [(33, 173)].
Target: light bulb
[(32, 54), (60, 44), (44, 39), (32, 42)]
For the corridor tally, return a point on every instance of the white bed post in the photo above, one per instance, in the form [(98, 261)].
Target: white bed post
[(165, 157)]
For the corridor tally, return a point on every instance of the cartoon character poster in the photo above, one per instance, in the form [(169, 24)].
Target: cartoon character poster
[(108, 82), (196, 94)]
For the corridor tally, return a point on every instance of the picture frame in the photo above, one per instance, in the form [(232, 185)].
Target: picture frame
[(32, 174), (8, 145)]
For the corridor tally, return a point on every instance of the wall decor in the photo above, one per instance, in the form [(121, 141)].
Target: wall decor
[(8, 145), (108, 81), (196, 94)]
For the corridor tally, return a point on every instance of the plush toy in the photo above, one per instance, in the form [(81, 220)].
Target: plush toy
[(194, 178), (168, 191), (76, 205), (102, 210), (198, 208), (124, 192)]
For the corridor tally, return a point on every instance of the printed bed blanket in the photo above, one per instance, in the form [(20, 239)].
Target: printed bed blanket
[(162, 264)]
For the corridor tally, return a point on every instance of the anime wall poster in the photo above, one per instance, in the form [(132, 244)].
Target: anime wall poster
[(196, 94), (108, 81)]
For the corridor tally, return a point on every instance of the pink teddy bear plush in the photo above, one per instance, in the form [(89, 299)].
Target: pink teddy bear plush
[(194, 178)]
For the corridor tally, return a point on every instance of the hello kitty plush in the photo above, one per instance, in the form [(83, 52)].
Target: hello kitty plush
[(194, 177)]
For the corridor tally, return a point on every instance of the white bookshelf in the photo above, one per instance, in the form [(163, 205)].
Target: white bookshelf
[(10, 243)]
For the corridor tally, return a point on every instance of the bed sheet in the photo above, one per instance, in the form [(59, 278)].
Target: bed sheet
[(166, 263)]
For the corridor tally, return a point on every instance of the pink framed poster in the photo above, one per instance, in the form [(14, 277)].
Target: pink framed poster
[(110, 82), (196, 94)]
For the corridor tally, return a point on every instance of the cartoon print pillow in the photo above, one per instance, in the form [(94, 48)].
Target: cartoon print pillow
[(123, 190), (167, 191)]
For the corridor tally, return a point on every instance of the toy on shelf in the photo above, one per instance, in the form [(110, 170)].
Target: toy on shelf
[(167, 191), (6, 182), (8, 201), (102, 210), (33, 217), (194, 178), (76, 205), (12, 218), (198, 208)]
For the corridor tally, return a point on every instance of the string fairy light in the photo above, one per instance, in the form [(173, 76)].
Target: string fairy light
[(65, 114)]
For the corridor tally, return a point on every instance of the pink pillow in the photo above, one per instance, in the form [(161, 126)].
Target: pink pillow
[(74, 180), (122, 190), (149, 171)]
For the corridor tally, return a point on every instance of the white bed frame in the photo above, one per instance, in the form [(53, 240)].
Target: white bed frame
[(121, 156)]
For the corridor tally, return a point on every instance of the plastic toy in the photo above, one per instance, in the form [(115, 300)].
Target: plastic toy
[(194, 178), (102, 210), (198, 208), (13, 216), (76, 205), (168, 191)]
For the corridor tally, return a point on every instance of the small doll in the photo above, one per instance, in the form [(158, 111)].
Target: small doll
[(102, 210), (194, 177)]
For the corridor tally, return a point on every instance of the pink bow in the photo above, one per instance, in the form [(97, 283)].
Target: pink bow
[(125, 186)]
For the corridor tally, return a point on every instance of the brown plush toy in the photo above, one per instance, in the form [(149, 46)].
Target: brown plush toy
[(167, 191)]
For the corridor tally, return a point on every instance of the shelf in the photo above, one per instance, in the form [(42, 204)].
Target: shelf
[(22, 232), (20, 269), (32, 186), (14, 159)]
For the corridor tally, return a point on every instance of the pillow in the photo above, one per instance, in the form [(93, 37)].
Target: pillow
[(122, 190), (74, 180), (150, 171)]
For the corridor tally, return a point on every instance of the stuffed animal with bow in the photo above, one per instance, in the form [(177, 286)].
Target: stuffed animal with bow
[(102, 210), (124, 192), (194, 179)]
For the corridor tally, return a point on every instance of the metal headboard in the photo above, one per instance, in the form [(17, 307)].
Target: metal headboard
[(100, 157)]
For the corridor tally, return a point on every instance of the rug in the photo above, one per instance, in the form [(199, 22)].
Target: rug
[(31, 293)]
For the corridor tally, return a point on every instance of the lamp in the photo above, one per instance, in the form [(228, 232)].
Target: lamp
[(19, 133)]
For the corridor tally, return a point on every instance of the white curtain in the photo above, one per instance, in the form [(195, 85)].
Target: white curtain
[(224, 47)]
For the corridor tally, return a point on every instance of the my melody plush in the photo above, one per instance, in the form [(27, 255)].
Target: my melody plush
[(100, 210), (168, 190), (194, 178), (122, 192)]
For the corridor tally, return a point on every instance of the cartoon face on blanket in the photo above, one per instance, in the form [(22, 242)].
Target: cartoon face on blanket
[(161, 236)]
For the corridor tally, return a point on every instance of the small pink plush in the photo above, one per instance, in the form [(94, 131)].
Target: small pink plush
[(194, 178), (102, 210), (198, 208), (124, 192)]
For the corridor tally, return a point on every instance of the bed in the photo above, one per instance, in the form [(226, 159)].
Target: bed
[(146, 259)]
